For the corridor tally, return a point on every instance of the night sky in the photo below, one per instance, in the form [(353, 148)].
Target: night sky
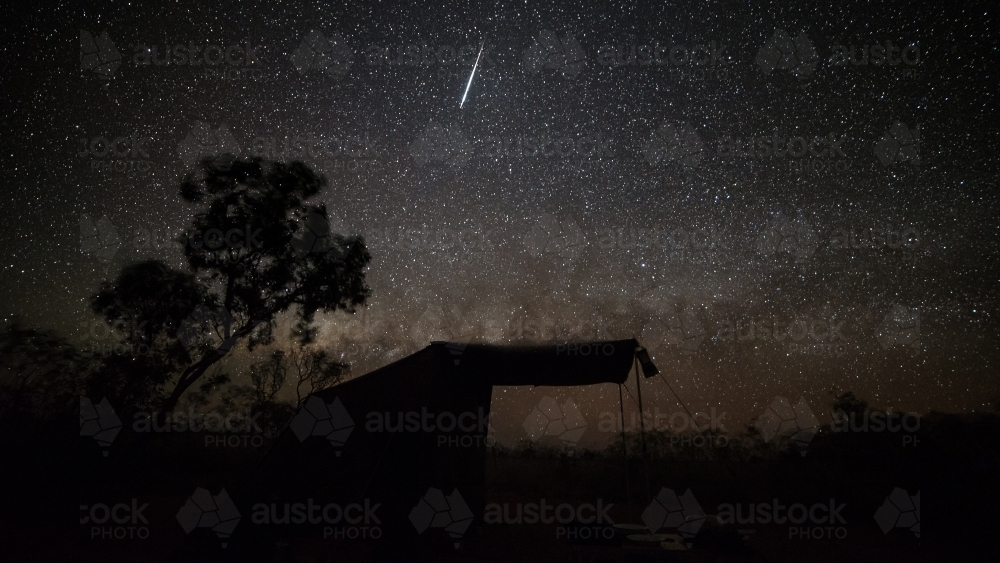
[(691, 174)]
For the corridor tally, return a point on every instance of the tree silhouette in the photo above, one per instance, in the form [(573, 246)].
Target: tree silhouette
[(261, 396), (255, 250), (146, 298), (310, 370), (38, 370), (849, 404), (315, 370)]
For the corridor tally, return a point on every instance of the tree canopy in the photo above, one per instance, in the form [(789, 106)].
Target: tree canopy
[(255, 249)]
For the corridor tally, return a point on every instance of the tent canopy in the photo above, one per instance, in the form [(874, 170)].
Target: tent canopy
[(372, 444), (564, 364)]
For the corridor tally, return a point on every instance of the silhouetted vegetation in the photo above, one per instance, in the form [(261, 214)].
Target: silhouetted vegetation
[(255, 250)]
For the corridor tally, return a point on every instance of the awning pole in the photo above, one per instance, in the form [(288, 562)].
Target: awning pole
[(628, 490), (642, 428)]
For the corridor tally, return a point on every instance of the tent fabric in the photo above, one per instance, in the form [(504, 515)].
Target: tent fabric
[(567, 364), (395, 465), (557, 364)]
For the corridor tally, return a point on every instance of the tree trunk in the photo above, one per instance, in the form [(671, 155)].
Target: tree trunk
[(196, 370), (188, 378)]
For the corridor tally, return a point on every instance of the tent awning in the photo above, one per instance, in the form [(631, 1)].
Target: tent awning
[(575, 363)]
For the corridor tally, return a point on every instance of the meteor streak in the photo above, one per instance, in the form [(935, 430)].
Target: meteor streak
[(472, 75)]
